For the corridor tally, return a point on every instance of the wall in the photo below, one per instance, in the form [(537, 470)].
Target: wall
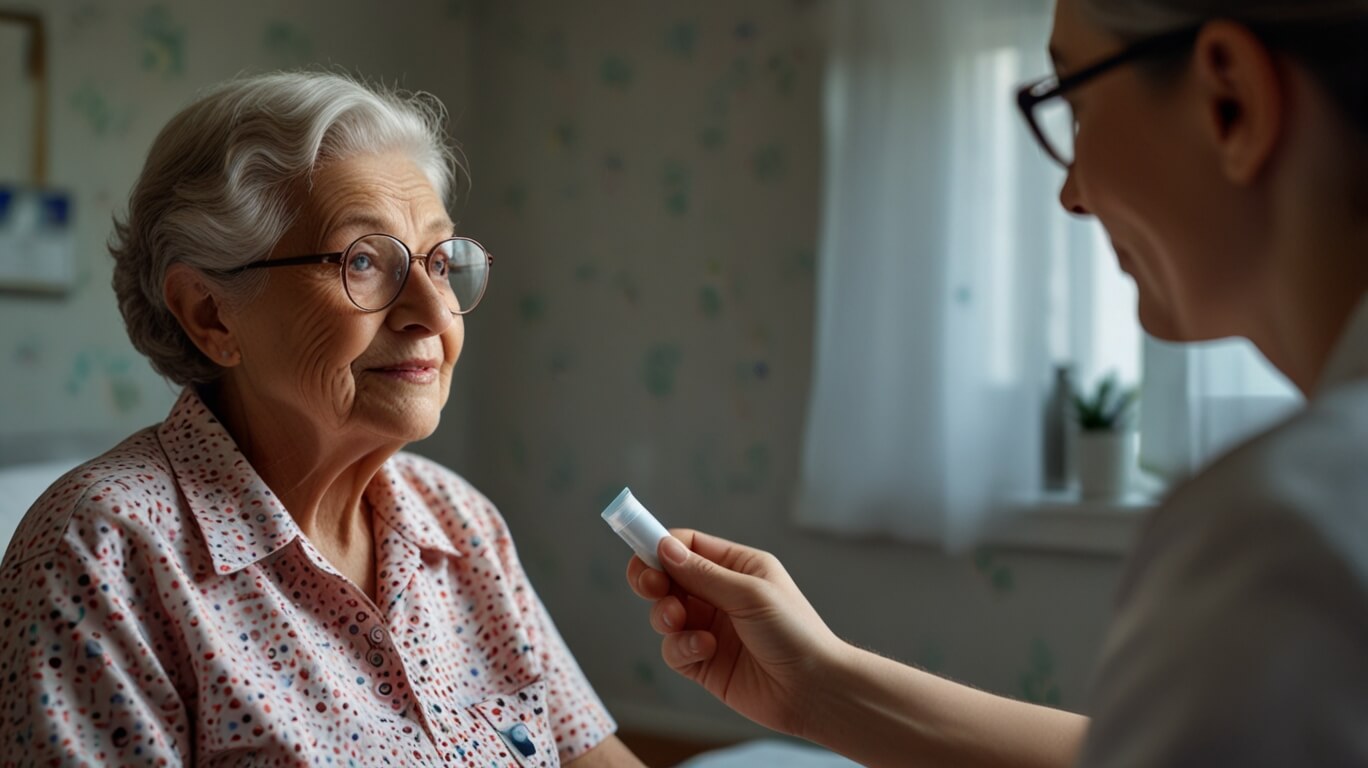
[(647, 176)]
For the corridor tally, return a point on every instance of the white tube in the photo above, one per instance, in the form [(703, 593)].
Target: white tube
[(636, 525)]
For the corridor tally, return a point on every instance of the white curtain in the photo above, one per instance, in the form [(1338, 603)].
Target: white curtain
[(938, 235), (1206, 398)]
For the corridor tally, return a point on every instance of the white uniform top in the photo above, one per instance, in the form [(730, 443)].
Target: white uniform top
[(1241, 634)]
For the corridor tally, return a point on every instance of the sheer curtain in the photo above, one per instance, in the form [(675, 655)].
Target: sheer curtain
[(1205, 399), (950, 282), (939, 234)]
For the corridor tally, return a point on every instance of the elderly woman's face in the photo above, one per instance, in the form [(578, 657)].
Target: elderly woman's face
[(304, 345)]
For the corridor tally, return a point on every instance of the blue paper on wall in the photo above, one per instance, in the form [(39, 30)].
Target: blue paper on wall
[(37, 240)]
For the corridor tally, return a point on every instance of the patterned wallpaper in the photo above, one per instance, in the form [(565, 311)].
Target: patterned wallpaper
[(648, 176)]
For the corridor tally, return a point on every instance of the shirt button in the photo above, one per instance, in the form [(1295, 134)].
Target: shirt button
[(521, 739)]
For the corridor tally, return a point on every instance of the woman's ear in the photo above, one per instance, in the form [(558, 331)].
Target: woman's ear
[(201, 313), (1242, 96)]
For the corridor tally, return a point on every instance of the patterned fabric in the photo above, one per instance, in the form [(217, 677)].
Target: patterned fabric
[(159, 606)]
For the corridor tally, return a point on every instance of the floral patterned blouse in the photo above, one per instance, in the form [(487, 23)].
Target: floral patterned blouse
[(159, 606)]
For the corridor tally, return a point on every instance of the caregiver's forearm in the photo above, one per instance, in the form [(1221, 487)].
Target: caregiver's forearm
[(879, 712)]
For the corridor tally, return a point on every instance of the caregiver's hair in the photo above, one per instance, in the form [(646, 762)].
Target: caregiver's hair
[(223, 181), (1329, 37)]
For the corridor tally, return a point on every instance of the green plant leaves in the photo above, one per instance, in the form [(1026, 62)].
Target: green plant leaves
[(1107, 409)]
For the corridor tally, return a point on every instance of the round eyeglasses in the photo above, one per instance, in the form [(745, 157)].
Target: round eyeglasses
[(376, 267)]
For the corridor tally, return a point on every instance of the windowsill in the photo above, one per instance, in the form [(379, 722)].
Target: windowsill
[(1063, 522)]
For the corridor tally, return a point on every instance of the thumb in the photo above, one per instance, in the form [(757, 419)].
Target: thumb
[(727, 590)]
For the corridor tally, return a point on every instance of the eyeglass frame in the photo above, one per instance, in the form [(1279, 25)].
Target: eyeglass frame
[(337, 256), (1030, 96)]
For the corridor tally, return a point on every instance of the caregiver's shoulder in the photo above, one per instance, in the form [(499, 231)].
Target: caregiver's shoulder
[(1243, 608)]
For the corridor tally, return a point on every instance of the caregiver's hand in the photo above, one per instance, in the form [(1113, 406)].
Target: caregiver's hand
[(735, 623)]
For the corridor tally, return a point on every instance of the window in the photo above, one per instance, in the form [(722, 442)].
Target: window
[(950, 282)]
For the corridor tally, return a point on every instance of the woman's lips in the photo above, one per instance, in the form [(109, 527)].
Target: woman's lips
[(411, 371)]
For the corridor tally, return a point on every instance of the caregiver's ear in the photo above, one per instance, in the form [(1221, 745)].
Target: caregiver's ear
[(1243, 98)]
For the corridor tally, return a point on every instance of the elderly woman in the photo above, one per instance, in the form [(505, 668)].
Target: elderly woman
[(1223, 144), (265, 578)]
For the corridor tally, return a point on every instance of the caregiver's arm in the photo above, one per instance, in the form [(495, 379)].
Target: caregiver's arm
[(880, 712), (735, 623)]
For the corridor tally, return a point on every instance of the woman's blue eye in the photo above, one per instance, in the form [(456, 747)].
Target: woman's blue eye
[(440, 265), (360, 262)]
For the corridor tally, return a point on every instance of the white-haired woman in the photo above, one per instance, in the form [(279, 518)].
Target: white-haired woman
[(1223, 144), (265, 578)]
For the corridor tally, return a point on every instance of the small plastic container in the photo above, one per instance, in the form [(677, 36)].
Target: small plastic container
[(636, 525)]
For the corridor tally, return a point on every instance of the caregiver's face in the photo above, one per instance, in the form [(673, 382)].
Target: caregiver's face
[(308, 349), (1137, 168)]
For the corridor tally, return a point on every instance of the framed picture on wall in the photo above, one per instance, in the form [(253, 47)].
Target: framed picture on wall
[(36, 238)]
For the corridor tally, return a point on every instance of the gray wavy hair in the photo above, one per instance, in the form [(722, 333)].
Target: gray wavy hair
[(1330, 37), (215, 192)]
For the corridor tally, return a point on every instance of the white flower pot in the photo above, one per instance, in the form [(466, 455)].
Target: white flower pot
[(1106, 462)]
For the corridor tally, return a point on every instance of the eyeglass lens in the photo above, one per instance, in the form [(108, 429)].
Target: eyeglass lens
[(1055, 119), (374, 268)]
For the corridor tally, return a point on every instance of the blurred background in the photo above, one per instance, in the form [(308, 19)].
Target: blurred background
[(714, 224)]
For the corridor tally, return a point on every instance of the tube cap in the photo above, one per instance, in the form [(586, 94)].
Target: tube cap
[(635, 525)]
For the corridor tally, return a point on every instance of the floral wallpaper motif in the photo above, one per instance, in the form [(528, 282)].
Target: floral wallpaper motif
[(162, 40)]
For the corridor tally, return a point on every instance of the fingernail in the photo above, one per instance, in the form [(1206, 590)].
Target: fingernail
[(693, 645), (665, 617), (673, 550)]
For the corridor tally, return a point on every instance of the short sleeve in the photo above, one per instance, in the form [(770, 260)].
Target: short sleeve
[(1242, 642), (81, 680), (578, 718)]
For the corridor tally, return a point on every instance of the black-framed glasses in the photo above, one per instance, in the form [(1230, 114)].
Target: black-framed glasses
[(1051, 118), (375, 268)]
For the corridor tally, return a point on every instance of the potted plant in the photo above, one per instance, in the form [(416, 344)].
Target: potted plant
[(1106, 442)]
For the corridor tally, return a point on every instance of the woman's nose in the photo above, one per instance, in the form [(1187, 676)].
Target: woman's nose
[(1069, 196), (420, 304)]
